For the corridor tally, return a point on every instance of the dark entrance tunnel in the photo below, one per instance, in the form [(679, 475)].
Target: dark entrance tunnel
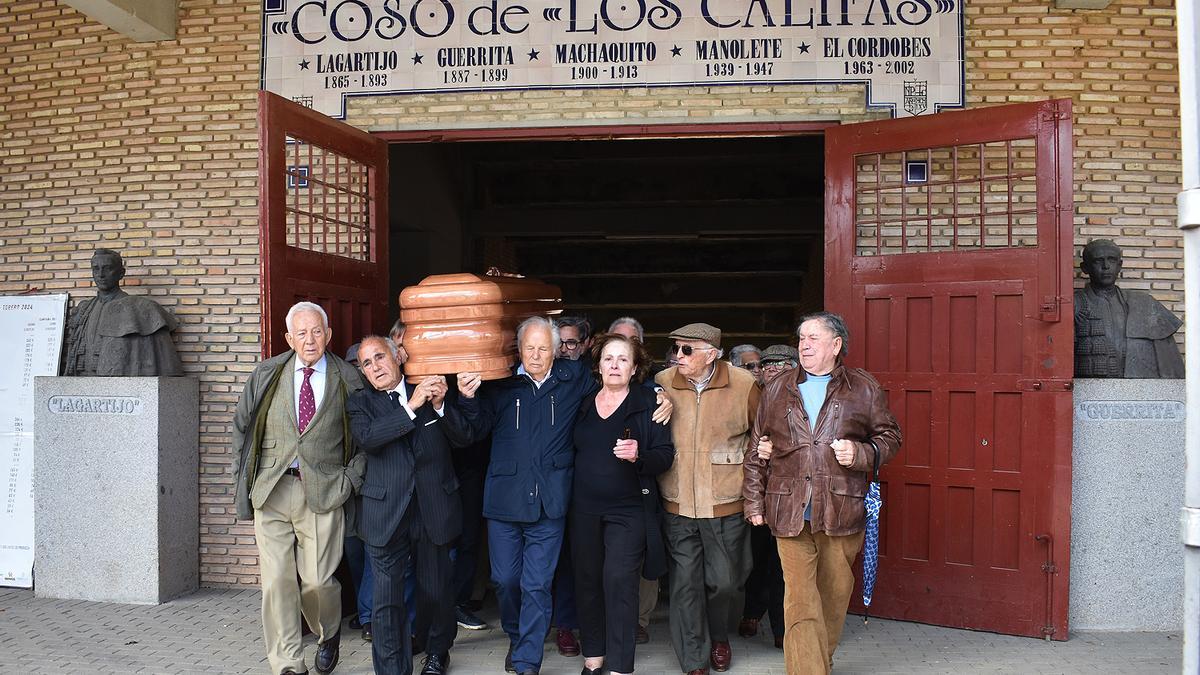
[(723, 230)]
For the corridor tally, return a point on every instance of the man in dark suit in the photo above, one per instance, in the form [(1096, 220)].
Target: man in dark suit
[(410, 503)]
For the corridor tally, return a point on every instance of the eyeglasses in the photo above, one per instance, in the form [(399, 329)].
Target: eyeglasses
[(752, 365), (779, 365), (687, 350), (571, 344)]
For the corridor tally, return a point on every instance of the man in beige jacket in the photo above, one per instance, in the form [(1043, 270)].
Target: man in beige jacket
[(707, 537)]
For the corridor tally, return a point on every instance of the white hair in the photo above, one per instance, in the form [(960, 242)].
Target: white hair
[(735, 354), (538, 321), (306, 307), (391, 344), (629, 320)]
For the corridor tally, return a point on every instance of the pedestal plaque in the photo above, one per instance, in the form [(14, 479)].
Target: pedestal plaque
[(116, 492), (1126, 492)]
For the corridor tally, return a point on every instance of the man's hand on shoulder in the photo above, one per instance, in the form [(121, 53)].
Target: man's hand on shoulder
[(662, 414)]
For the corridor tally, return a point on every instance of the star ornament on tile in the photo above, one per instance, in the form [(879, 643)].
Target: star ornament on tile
[(304, 64), (803, 47), (417, 58), (675, 50), (533, 54)]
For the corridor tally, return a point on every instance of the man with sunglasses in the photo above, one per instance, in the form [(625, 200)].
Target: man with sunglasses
[(776, 359), (708, 539), (747, 357)]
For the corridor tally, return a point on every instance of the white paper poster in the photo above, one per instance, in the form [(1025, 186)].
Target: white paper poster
[(31, 327), (319, 53)]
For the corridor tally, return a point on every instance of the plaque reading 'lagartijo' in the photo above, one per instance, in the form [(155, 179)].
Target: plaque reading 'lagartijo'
[(101, 405), (909, 53)]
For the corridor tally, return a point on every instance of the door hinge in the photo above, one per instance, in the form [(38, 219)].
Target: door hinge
[(1050, 309), (1047, 384)]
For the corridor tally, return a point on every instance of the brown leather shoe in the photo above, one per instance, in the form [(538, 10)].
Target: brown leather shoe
[(567, 644), (721, 656), (641, 637), (748, 628)]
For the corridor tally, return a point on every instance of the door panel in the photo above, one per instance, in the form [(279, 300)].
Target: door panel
[(323, 222), (948, 252)]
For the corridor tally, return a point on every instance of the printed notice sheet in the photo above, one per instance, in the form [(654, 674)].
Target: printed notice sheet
[(31, 327)]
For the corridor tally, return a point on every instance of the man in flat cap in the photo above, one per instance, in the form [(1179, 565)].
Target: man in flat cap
[(708, 539), (778, 358)]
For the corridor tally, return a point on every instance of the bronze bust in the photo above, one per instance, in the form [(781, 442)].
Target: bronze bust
[(1120, 333), (117, 334)]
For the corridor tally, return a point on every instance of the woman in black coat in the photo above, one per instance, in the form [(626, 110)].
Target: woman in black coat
[(616, 537)]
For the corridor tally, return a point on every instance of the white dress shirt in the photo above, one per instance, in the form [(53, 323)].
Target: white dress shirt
[(317, 381)]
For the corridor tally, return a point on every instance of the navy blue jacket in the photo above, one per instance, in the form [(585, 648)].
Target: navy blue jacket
[(533, 448), (406, 456)]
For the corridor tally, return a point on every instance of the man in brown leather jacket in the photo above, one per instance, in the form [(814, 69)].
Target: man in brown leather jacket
[(806, 472)]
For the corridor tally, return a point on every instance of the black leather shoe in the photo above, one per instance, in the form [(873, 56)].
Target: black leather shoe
[(436, 664), (366, 631), (328, 653), (508, 666), (592, 671), (355, 624)]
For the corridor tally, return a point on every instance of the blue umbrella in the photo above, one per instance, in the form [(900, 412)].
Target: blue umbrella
[(871, 539)]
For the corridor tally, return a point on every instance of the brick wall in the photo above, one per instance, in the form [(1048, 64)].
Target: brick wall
[(151, 149)]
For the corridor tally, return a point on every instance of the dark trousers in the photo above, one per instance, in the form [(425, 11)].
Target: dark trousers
[(710, 560), (523, 559), (391, 646), (764, 588), (470, 488), (565, 616), (608, 552)]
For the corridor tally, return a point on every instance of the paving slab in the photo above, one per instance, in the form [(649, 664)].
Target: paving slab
[(218, 631)]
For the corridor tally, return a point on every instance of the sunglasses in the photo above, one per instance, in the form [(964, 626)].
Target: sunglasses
[(687, 350), (752, 365)]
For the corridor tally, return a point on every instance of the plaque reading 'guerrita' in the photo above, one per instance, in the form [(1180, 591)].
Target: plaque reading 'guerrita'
[(1149, 411), (95, 405)]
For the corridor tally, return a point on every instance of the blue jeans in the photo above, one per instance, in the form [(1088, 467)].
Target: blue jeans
[(363, 576), (524, 556)]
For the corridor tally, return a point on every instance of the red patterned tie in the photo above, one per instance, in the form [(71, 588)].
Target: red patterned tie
[(308, 403)]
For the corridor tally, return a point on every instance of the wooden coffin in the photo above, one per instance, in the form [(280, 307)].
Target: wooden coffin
[(458, 323)]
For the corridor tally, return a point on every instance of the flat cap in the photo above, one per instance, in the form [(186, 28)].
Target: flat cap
[(698, 331), (777, 353)]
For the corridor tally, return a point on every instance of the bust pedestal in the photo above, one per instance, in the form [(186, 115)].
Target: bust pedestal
[(1127, 490), (116, 491)]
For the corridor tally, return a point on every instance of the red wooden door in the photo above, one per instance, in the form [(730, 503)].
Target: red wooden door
[(948, 251), (323, 222)]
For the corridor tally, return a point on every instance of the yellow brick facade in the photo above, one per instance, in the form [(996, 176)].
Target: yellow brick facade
[(152, 149)]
